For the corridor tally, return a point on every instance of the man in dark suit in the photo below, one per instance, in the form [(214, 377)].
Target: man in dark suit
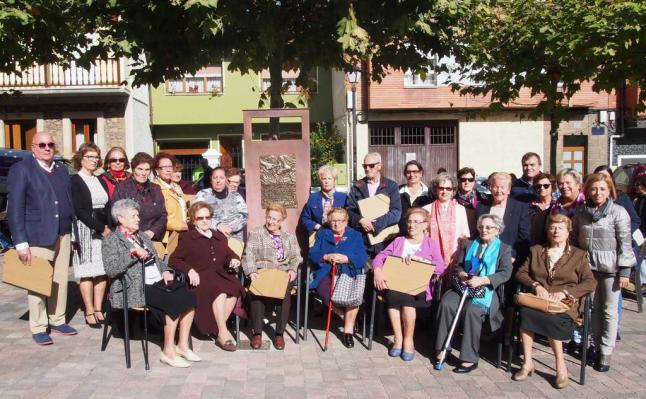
[(373, 184), (522, 189), (40, 216)]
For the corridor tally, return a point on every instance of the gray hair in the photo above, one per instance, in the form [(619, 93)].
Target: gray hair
[(374, 155), (122, 206), (500, 176), (495, 219), (442, 177), (572, 172), (328, 170)]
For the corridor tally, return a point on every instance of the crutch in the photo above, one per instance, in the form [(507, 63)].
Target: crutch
[(439, 365), (329, 307)]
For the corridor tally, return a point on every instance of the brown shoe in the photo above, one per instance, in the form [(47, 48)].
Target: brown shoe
[(228, 346), (279, 342), (256, 341)]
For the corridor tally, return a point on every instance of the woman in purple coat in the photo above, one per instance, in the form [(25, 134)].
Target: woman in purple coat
[(416, 245)]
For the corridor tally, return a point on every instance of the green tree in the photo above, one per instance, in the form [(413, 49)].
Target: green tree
[(327, 147)]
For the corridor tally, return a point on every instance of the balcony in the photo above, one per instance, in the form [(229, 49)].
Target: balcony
[(103, 74)]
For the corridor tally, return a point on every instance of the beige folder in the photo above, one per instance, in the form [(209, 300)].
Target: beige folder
[(237, 246), (271, 283), (36, 277), (173, 240), (372, 208), (160, 248), (410, 279)]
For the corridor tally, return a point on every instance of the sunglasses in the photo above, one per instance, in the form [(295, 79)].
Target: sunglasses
[(445, 189), (202, 218), (370, 165), (42, 146), (467, 179), (543, 186), (116, 160)]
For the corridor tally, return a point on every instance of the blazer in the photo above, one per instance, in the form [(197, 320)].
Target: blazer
[(83, 204), (33, 209), (504, 269), (152, 211), (260, 253), (424, 199), (312, 213), (175, 217), (429, 250), (117, 260), (516, 232), (572, 273), (350, 245)]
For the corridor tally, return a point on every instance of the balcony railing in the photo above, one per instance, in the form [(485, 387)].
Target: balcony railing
[(100, 74)]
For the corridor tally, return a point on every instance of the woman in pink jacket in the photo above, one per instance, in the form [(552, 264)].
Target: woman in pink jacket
[(416, 245)]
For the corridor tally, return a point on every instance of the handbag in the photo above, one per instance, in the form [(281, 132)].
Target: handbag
[(478, 292), (179, 281), (348, 291), (543, 304)]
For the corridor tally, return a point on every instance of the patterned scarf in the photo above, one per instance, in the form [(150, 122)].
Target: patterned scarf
[(443, 229), (469, 200), (278, 245), (482, 265)]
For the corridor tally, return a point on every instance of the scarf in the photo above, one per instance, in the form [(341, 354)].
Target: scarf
[(119, 175), (469, 200), (598, 213), (443, 229), (482, 266), (560, 208)]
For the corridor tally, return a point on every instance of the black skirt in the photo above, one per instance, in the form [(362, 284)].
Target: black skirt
[(559, 326), (395, 299), (172, 304)]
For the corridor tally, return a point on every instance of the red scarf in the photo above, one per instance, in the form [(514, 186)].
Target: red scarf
[(443, 229)]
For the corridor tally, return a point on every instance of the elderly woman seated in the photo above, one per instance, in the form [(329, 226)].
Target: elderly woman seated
[(128, 251), (344, 246), (204, 256), (556, 272), (486, 263), (270, 247), (416, 245)]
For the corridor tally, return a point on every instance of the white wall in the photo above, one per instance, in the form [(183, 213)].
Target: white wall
[(137, 121)]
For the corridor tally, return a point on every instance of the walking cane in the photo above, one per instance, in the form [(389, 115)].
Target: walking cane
[(440, 363), (329, 307)]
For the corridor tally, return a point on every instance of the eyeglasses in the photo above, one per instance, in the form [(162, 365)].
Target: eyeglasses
[(202, 218), (42, 146), (165, 167), (543, 186), (410, 172), (370, 165), (467, 179), (270, 219), (117, 160), (481, 227), (92, 157), (445, 189)]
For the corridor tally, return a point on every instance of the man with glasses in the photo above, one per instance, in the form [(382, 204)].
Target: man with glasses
[(522, 189), (40, 219), (373, 184)]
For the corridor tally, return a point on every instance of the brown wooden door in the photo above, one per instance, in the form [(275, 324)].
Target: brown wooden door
[(231, 150), (19, 134), (83, 131), (432, 143)]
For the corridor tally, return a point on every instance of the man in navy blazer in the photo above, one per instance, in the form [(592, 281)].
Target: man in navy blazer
[(373, 184), (40, 216)]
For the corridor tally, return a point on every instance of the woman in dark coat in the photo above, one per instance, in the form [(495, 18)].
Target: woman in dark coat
[(204, 256)]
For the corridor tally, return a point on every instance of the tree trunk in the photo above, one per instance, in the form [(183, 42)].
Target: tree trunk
[(275, 95), (554, 140)]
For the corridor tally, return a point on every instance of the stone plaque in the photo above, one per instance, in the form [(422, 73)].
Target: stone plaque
[(278, 180)]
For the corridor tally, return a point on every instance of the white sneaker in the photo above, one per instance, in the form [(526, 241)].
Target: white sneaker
[(188, 355), (175, 362)]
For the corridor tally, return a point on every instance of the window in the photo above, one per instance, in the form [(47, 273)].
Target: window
[(18, 134), (206, 81), (442, 134), (289, 79), (83, 131), (574, 157), (414, 80), (382, 136), (412, 135)]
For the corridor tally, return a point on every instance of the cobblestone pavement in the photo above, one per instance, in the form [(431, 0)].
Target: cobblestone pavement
[(74, 367)]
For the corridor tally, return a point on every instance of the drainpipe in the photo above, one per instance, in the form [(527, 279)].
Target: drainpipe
[(619, 120)]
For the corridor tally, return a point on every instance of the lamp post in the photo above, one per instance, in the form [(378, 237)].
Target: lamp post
[(353, 78)]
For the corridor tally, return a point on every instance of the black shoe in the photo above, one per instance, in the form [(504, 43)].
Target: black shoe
[(592, 356), (462, 369), (348, 341), (602, 363), (573, 349)]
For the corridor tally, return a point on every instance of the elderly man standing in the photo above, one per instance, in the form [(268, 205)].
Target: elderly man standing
[(373, 184), (40, 219), (523, 189)]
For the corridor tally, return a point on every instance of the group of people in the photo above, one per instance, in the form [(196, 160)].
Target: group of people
[(558, 246)]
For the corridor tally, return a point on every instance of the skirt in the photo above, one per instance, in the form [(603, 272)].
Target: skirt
[(172, 304), (559, 326), (396, 299), (88, 258)]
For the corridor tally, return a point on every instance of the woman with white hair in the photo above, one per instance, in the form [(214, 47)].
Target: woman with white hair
[(314, 214), (485, 264)]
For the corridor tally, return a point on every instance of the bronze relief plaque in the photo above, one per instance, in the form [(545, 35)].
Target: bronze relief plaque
[(278, 180)]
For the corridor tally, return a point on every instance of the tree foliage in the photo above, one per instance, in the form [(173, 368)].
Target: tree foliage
[(327, 147)]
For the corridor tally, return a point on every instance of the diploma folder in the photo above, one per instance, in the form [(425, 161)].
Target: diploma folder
[(36, 278), (270, 283), (372, 208), (410, 279), (237, 246)]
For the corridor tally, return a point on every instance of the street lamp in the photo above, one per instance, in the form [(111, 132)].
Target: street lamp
[(353, 78)]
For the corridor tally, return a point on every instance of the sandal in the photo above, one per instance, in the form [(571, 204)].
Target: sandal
[(101, 319), (92, 325)]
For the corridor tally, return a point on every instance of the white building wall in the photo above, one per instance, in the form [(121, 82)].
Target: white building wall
[(137, 122)]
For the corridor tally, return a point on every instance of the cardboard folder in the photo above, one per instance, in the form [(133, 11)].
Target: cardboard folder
[(372, 208), (410, 279), (271, 283), (160, 248), (173, 240), (237, 246), (37, 277)]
